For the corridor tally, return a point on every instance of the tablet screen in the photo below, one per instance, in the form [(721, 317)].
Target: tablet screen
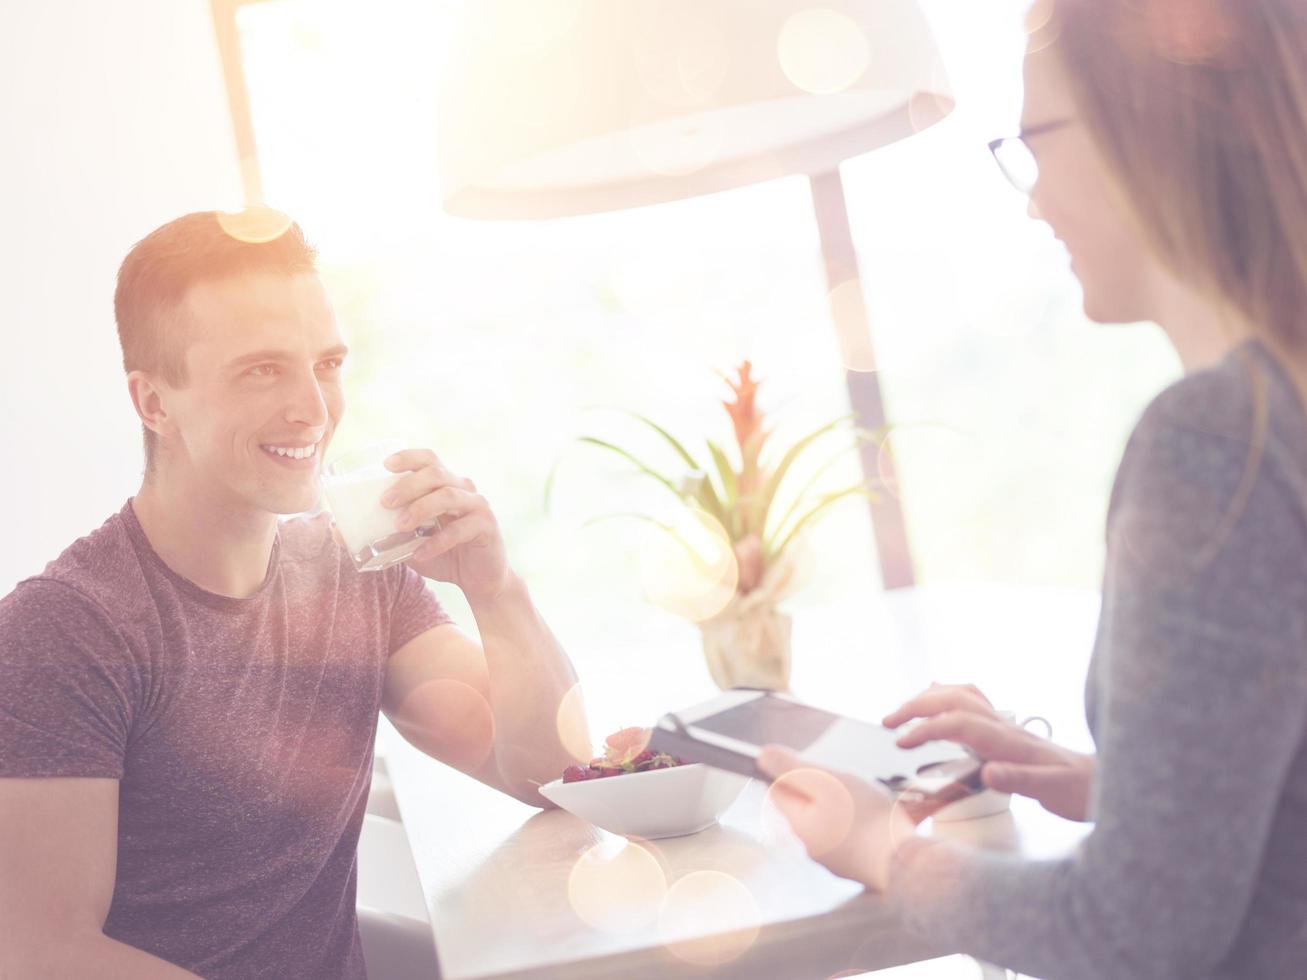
[(771, 720), (831, 740)]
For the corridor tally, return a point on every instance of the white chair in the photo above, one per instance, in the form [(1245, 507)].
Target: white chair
[(381, 798), (392, 913)]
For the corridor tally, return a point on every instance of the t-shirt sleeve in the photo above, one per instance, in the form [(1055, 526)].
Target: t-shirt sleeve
[(68, 685), (1203, 699), (414, 608)]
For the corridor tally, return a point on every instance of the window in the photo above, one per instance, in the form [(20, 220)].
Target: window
[(492, 341)]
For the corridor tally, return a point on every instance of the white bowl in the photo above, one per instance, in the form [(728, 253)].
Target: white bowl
[(658, 803)]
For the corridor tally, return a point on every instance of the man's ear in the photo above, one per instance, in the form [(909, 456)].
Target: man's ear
[(149, 398)]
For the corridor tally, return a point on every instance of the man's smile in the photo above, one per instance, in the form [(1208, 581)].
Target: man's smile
[(296, 455)]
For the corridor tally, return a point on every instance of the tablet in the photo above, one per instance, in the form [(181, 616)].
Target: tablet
[(730, 730)]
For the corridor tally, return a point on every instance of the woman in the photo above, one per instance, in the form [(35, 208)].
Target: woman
[(1171, 141)]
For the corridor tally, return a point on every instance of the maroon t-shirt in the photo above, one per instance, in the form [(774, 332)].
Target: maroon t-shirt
[(240, 731)]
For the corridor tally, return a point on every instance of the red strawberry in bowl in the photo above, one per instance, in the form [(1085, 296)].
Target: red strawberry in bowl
[(679, 799), (624, 752)]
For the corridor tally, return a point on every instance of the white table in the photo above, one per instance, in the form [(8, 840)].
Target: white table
[(495, 873)]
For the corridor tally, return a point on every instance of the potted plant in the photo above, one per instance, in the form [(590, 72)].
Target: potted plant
[(743, 493)]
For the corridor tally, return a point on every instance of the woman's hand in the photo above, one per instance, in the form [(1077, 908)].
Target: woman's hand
[(1016, 760), (847, 825)]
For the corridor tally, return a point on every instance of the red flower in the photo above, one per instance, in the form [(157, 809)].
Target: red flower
[(624, 746), (744, 413), (750, 435)]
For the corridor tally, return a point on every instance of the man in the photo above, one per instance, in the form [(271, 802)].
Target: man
[(189, 694)]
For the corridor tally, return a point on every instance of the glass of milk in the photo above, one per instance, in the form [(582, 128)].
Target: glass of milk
[(353, 484)]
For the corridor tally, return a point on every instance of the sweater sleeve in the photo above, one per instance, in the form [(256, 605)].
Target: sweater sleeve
[(1202, 699)]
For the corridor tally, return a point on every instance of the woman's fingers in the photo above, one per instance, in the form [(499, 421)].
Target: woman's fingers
[(989, 738), (776, 760), (939, 698), (1062, 788), (1028, 780), (848, 825)]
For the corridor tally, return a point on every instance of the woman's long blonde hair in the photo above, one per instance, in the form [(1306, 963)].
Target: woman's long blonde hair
[(1200, 109)]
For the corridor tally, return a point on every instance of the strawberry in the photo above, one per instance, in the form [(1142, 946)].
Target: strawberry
[(624, 752)]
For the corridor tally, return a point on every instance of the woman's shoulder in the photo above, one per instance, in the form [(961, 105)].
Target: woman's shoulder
[(1221, 448), (1244, 407), (1229, 399), (1212, 490)]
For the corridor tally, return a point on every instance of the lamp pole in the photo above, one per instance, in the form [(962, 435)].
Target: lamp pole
[(853, 329)]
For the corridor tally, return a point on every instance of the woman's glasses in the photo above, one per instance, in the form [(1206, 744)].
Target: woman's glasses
[(1015, 158)]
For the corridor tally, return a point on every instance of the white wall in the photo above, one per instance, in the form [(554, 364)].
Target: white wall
[(114, 120)]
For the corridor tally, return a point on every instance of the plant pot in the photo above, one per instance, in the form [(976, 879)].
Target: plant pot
[(748, 646)]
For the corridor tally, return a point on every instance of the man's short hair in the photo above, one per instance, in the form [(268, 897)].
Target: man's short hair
[(163, 266)]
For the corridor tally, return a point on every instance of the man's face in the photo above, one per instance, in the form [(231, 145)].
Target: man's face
[(264, 360)]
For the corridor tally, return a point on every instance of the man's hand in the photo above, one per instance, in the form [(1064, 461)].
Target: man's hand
[(845, 824), (466, 547), (1016, 760)]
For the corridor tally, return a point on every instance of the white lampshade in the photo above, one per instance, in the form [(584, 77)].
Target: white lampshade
[(562, 107)]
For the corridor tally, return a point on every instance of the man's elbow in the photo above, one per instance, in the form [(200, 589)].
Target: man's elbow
[(522, 772), (524, 787)]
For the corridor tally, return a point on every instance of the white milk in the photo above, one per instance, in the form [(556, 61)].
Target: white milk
[(355, 502)]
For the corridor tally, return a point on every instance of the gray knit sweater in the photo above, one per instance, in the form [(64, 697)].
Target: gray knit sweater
[(1197, 700)]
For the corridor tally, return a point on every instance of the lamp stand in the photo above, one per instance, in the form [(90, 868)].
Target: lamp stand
[(852, 325)]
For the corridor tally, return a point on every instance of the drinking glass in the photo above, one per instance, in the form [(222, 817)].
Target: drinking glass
[(353, 484)]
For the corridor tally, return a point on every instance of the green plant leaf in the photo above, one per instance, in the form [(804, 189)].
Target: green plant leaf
[(706, 496), (726, 472), (648, 520), (639, 464), (671, 439), (858, 489), (703, 494), (800, 497), (778, 474), (632, 515)]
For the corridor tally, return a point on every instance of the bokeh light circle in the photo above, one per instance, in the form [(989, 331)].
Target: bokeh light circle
[(690, 570), (617, 886), (708, 918), (254, 225), (822, 51), (573, 728)]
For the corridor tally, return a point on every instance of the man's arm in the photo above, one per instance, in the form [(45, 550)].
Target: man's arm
[(504, 711), (511, 718), (58, 862)]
